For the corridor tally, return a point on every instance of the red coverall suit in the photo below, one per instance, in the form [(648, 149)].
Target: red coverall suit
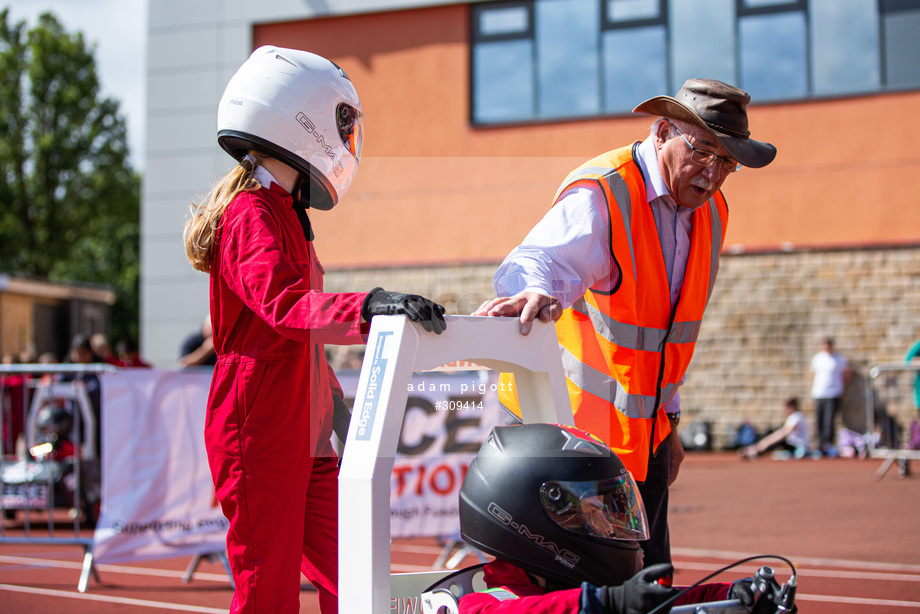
[(517, 594), (269, 417)]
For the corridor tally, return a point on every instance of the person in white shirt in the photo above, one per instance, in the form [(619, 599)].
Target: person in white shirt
[(793, 437), (830, 374)]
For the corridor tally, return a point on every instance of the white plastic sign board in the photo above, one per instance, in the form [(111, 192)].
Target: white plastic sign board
[(448, 415), (158, 497), (396, 348)]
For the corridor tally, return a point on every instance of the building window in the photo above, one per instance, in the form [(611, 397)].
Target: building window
[(772, 48), (554, 59), (846, 54), (900, 25), (503, 62), (642, 27), (566, 37)]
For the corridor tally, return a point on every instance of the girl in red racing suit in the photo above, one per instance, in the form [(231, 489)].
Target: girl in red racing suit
[(269, 415)]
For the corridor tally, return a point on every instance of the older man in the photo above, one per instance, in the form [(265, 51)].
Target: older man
[(625, 260)]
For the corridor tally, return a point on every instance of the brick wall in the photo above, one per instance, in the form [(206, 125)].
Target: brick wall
[(765, 320)]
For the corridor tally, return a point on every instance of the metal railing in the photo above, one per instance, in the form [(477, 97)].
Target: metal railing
[(42, 471), (892, 406)]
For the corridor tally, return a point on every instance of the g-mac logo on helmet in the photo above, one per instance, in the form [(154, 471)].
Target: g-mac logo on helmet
[(566, 557), (320, 139), (348, 125)]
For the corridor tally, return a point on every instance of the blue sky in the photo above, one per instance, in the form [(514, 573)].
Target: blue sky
[(118, 29)]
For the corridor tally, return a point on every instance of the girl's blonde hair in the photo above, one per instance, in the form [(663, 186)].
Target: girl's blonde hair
[(201, 227)]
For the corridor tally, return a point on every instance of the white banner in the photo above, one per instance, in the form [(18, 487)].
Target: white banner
[(157, 494), (448, 416)]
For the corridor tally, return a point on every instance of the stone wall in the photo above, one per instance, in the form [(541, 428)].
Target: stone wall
[(765, 320), (767, 317)]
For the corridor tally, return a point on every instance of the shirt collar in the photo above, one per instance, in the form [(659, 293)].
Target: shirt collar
[(648, 161), (264, 177)]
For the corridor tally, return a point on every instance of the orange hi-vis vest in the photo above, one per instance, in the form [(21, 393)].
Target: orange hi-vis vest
[(624, 350)]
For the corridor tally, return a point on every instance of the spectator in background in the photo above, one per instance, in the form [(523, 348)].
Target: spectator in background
[(48, 358), (28, 356), (100, 344), (128, 355), (81, 353), (12, 404), (830, 374), (198, 348), (793, 437)]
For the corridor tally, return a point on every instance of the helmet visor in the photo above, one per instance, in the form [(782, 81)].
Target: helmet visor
[(610, 509), (350, 123)]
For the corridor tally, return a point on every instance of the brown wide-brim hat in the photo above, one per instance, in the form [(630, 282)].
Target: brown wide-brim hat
[(718, 108)]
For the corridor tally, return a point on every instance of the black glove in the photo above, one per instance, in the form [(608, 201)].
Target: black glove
[(417, 308), (743, 591), (641, 593)]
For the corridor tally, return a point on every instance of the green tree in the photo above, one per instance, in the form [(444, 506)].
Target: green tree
[(69, 198)]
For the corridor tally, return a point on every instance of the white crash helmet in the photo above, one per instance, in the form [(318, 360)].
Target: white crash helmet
[(301, 109)]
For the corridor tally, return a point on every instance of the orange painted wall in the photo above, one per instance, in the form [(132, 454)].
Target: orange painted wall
[(434, 189)]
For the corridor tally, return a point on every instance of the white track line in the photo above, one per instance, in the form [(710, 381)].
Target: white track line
[(683, 552), (858, 601), (151, 571), (798, 560), (729, 556), (809, 572), (417, 548), (140, 603), (144, 571)]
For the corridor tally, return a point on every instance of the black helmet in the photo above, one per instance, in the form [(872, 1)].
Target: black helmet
[(556, 502), (53, 422)]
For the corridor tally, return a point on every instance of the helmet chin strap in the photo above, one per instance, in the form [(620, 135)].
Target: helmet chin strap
[(301, 204)]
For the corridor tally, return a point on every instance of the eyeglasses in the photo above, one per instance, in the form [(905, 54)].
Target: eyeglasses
[(705, 158)]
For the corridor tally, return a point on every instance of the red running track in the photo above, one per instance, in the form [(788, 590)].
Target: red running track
[(852, 537)]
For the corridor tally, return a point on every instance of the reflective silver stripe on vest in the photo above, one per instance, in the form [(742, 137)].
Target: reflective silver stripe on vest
[(668, 393), (716, 241), (633, 337), (685, 332), (620, 192), (624, 335), (606, 387)]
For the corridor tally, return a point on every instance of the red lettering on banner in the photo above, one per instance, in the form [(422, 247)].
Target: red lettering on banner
[(421, 480), (400, 473), (443, 479), (451, 480)]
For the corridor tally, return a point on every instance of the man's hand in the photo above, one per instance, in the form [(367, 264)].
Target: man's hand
[(677, 455), (528, 305)]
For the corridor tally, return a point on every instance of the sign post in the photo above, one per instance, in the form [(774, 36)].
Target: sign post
[(396, 348)]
